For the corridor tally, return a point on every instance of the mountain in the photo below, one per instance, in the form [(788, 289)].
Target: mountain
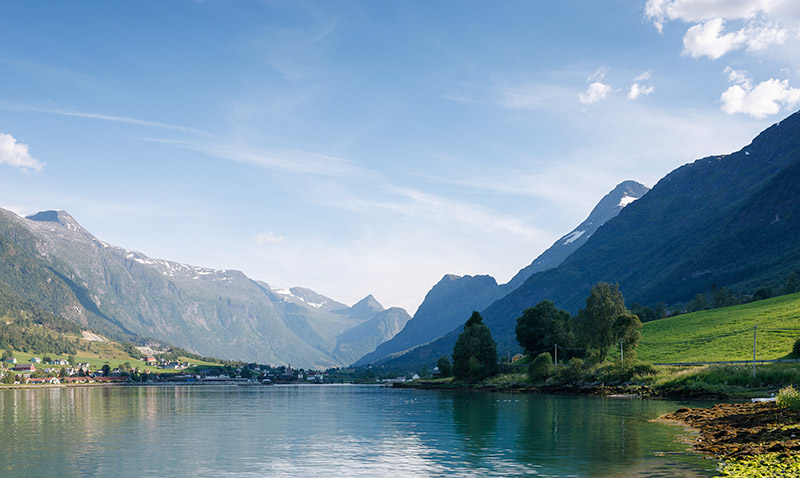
[(51, 261), (608, 207), (444, 307), (350, 344), (364, 309), (453, 299), (728, 220)]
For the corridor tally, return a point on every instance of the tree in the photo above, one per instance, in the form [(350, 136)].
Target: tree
[(596, 322), (542, 326), (475, 352), (628, 329), (541, 367), (698, 303), (106, 368), (71, 359), (445, 369), (7, 354), (792, 282)]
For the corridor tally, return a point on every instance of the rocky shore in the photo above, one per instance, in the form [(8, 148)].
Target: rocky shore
[(751, 439)]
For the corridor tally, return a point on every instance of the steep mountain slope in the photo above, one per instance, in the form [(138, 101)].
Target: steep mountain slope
[(50, 260), (729, 220), (350, 345), (453, 299), (610, 206), (444, 305)]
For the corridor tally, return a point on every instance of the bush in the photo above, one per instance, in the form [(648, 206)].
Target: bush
[(796, 349), (788, 398), (573, 371), (541, 367)]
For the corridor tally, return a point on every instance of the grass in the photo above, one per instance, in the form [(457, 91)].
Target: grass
[(101, 353), (724, 334)]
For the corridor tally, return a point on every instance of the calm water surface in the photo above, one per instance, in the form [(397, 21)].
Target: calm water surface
[(333, 430)]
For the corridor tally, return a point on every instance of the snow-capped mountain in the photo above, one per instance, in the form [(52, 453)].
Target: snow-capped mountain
[(50, 260)]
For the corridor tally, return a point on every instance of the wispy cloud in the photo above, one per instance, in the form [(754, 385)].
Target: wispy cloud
[(102, 117), (17, 154), (292, 161), (268, 237)]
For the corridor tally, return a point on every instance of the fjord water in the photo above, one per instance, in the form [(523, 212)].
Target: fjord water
[(334, 430)]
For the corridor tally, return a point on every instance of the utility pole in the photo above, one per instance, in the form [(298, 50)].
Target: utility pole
[(555, 355), (755, 332), (621, 353)]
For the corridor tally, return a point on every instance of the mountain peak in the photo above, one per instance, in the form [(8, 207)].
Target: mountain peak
[(59, 217), (364, 309), (612, 203)]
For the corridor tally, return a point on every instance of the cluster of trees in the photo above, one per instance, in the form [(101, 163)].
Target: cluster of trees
[(603, 324), (723, 297)]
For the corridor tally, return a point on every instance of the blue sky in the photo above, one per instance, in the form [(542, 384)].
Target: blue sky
[(372, 147)]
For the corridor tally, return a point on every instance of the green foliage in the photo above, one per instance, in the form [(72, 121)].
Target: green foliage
[(698, 303), (792, 283), (724, 334), (541, 367), (627, 329), (542, 326), (598, 324), (475, 352), (573, 372), (788, 398), (445, 368), (772, 465)]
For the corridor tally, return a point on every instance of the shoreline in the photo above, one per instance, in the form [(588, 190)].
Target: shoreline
[(596, 389), (751, 439)]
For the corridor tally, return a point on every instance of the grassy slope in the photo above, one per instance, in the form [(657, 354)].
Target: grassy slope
[(96, 354), (724, 334)]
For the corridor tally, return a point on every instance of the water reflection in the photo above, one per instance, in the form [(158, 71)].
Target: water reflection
[(331, 431)]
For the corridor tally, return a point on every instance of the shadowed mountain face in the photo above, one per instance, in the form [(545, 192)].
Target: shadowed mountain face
[(453, 299), (51, 261), (729, 220)]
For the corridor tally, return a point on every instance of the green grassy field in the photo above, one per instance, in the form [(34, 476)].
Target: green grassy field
[(107, 353), (725, 334)]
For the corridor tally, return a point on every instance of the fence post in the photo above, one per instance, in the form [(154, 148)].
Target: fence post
[(755, 332)]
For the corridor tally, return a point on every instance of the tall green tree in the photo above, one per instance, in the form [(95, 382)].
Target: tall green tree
[(542, 326), (445, 368), (596, 322), (475, 352)]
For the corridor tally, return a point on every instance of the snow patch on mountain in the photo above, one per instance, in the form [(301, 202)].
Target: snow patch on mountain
[(573, 236), (625, 200)]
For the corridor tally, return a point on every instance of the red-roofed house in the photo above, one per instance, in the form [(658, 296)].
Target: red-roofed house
[(25, 367)]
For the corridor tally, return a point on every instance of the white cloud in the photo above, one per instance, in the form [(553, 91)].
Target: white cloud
[(637, 90), (737, 77), (17, 154), (596, 91), (644, 76), (767, 98), (691, 11), (268, 237), (708, 39), (598, 75)]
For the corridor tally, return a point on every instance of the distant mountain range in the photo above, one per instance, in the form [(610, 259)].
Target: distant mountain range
[(51, 261), (454, 298), (730, 221)]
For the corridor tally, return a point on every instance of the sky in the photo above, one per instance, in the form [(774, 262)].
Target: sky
[(359, 147)]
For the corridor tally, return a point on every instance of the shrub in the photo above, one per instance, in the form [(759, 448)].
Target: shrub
[(573, 371), (796, 349), (788, 398), (541, 367)]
